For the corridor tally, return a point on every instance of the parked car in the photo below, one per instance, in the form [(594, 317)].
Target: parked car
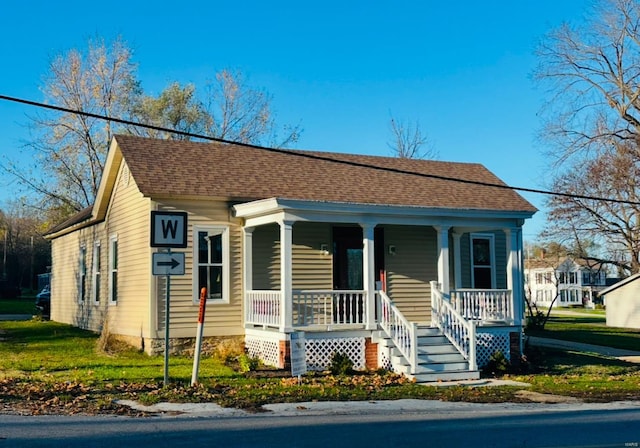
[(43, 301)]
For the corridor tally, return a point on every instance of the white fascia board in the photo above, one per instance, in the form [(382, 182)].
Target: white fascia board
[(276, 209), (107, 182)]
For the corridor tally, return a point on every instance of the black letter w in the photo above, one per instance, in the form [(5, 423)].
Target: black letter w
[(169, 226)]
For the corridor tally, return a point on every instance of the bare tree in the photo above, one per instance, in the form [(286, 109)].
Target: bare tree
[(69, 150), (228, 109), (243, 114), (408, 142), (545, 271), (615, 227), (592, 72)]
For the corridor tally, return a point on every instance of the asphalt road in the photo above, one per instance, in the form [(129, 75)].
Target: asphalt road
[(404, 423)]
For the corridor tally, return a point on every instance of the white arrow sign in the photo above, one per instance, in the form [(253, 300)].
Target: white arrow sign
[(168, 263)]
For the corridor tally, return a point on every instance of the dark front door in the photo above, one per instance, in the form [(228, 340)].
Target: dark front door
[(347, 258)]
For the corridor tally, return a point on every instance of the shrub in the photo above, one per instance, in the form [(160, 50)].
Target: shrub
[(341, 364), (248, 363), (498, 365)]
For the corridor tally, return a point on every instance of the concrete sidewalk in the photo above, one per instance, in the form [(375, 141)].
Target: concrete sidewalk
[(623, 355)]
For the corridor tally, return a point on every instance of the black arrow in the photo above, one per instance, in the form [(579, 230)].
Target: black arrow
[(173, 263)]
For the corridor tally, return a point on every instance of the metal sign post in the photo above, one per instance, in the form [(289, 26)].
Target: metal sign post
[(168, 229), (166, 327)]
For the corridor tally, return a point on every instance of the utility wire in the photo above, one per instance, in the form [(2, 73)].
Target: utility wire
[(314, 156)]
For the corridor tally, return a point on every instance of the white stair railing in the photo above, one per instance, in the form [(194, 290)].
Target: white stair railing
[(399, 329), (460, 332)]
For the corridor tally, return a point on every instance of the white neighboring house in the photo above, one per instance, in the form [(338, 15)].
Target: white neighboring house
[(573, 282), (623, 303)]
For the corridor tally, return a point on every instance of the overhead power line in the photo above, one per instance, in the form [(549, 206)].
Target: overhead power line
[(313, 156)]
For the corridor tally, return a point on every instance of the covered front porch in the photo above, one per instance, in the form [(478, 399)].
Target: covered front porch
[(341, 270)]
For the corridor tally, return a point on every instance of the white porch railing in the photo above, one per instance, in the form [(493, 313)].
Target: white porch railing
[(486, 305), (399, 329), (461, 332), (262, 308), (329, 307)]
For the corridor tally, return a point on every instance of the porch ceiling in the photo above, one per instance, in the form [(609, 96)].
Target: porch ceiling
[(275, 210)]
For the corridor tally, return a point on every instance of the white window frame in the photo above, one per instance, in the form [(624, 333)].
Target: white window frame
[(212, 230), (113, 259), (82, 273), (492, 261), (96, 274)]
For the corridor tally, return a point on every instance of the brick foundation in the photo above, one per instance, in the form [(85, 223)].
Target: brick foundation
[(285, 355), (370, 354), (514, 348)]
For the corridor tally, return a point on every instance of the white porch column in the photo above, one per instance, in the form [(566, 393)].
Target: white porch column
[(247, 268), (515, 279), (457, 261), (443, 258), (368, 273), (247, 259), (286, 284)]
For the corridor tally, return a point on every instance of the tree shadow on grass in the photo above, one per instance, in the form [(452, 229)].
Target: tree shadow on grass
[(557, 362)]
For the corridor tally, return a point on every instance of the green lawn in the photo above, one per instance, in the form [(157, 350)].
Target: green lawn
[(22, 305), (51, 367), (590, 330), (52, 351)]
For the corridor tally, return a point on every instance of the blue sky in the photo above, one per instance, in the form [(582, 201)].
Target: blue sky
[(339, 69)]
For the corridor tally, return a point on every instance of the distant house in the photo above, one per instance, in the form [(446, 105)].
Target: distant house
[(387, 260), (623, 303), (570, 282)]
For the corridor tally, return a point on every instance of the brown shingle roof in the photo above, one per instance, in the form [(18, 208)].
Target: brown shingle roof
[(167, 168)]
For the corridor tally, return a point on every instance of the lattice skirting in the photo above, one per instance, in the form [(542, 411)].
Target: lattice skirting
[(490, 342), (320, 351), (384, 357), (267, 350)]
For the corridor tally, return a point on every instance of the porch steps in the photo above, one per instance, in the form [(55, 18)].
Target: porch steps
[(438, 359)]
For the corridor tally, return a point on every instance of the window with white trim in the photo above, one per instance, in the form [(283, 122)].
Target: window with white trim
[(113, 269), (95, 292), (482, 261), (211, 263), (82, 274)]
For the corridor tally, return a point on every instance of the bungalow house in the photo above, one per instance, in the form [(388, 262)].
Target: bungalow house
[(387, 260)]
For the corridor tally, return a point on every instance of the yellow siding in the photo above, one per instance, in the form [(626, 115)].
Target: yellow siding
[(66, 304), (311, 268), (411, 269), (128, 218), (222, 319)]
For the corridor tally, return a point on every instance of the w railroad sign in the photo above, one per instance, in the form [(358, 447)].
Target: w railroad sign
[(169, 229)]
